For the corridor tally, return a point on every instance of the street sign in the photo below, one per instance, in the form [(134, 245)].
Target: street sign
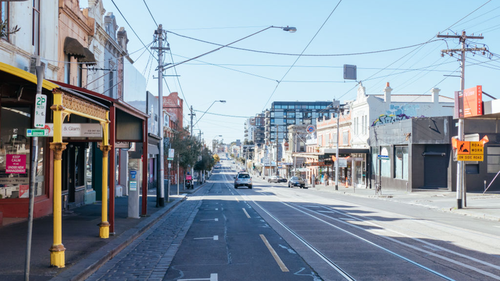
[(310, 129), (470, 157), (37, 132), (383, 157), (40, 110), (171, 154)]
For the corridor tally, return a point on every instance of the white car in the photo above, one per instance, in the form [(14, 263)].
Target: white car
[(243, 179)]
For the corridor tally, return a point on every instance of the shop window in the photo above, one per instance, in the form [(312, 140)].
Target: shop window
[(15, 154), (385, 165), (4, 17), (79, 74), (67, 69), (493, 159), (375, 154), (401, 162)]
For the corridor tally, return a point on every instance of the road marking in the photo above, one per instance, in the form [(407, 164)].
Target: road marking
[(236, 199), (216, 209), (216, 219), (213, 277), (245, 211), (274, 254), (215, 237)]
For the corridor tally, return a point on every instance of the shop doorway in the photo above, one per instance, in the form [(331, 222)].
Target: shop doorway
[(435, 166), (73, 174)]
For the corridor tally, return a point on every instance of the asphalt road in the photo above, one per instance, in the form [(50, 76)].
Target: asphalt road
[(273, 232)]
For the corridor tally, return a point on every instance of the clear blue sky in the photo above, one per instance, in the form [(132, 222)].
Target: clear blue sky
[(246, 80)]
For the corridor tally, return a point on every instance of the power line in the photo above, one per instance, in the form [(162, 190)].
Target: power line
[(310, 41), (304, 55), (225, 115), (147, 7)]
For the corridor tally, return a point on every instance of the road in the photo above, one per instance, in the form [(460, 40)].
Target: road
[(273, 232)]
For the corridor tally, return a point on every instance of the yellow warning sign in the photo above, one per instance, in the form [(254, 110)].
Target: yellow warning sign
[(463, 147), (470, 157), (476, 148)]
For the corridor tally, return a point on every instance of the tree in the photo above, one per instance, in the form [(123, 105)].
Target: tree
[(187, 148), (4, 31), (206, 162), (216, 158)]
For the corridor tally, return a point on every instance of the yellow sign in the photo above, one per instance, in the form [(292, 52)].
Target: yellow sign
[(470, 157), (463, 147), (476, 148)]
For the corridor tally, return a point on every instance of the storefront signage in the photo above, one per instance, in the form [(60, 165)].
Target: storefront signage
[(383, 157), (24, 191), (15, 164), (342, 163), (473, 101), (88, 130), (40, 110)]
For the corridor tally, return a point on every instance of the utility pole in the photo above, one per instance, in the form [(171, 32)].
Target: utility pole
[(337, 150), (192, 115), (461, 186), (161, 157), (277, 150)]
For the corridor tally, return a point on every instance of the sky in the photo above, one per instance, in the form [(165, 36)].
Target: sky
[(388, 40)]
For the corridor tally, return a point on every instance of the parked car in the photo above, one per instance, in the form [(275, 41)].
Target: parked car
[(243, 179), (296, 181), (280, 179)]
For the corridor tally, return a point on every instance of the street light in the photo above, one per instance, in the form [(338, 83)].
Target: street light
[(284, 28), (221, 101)]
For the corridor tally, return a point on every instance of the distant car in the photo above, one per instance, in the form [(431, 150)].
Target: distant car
[(243, 179), (272, 179), (296, 181), (280, 179)]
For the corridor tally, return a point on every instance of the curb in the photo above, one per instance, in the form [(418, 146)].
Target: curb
[(86, 267)]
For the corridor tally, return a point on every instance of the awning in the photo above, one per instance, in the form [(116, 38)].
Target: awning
[(74, 48), (153, 149), (14, 71), (89, 58)]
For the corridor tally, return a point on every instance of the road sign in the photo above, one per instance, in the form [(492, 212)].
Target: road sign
[(476, 148), (37, 132), (40, 110), (310, 129), (383, 157), (470, 157)]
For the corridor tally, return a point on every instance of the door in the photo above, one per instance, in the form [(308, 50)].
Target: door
[(435, 166)]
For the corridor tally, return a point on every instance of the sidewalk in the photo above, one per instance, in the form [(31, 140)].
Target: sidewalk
[(84, 249), (485, 206)]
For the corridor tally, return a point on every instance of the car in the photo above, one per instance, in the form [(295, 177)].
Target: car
[(272, 179), (296, 181), (280, 179), (243, 179)]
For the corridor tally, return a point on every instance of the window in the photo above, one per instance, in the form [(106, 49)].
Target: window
[(4, 16), (298, 114), (345, 138), (401, 162), (36, 26), (111, 83), (67, 69), (385, 165), (291, 106), (278, 114), (79, 75), (493, 159)]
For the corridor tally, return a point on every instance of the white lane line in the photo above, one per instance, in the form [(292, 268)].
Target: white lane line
[(216, 219), (245, 211), (213, 277), (236, 198), (274, 254), (215, 237)]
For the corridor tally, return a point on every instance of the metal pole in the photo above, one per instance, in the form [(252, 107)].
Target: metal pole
[(178, 163), (161, 156), (337, 151), (33, 166)]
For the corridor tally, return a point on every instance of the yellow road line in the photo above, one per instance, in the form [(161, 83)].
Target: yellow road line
[(274, 254)]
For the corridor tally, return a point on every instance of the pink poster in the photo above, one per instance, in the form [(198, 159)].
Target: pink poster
[(24, 191), (15, 164)]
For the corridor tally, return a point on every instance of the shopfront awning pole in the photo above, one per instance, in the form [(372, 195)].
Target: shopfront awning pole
[(105, 147), (57, 250), (112, 169)]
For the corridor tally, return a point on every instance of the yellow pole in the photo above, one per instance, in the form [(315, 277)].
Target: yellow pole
[(57, 250), (105, 147)]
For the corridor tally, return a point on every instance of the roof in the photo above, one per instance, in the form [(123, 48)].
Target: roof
[(413, 98), (26, 76)]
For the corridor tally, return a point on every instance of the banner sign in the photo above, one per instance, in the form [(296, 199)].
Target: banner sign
[(473, 102)]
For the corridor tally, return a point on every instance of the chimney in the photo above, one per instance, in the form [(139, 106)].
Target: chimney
[(387, 93), (435, 95)]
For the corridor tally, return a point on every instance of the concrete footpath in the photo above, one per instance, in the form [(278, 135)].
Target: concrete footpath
[(85, 251)]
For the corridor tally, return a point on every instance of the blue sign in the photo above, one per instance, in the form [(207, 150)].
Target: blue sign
[(133, 174), (383, 157)]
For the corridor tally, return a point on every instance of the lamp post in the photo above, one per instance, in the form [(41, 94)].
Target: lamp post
[(221, 101)]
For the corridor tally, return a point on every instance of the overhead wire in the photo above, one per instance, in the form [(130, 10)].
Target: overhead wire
[(310, 41), (147, 7)]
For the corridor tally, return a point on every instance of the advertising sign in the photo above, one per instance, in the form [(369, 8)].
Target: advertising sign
[(24, 191), (473, 101), (15, 164), (171, 153)]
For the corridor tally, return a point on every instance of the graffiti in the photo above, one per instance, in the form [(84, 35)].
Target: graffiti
[(386, 119), (407, 109)]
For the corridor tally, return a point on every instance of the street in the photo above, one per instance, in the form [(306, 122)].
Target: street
[(273, 232)]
